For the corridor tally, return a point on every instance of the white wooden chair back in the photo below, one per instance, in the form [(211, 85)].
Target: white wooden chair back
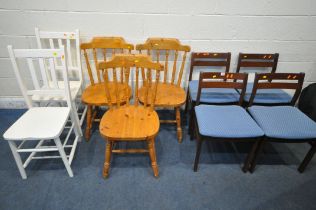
[(44, 78), (71, 42)]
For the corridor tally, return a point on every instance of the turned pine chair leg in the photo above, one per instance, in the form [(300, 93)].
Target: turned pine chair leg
[(250, 156), (197, 155), (89, 123), (307, 158), (108, 153), (152, 155), (179, 129)]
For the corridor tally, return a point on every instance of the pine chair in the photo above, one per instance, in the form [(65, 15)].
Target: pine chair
[(224, 123), (43, 124), (130, 123), (257, 63), (285, 124), (170, 94), (94, 94), (71, 42)]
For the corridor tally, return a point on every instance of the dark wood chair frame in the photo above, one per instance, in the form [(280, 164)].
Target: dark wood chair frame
[(209, 59), (299, 78), (222, 84)]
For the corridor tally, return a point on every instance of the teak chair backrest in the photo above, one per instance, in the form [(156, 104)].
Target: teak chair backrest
[(209, 59), (223, 80), (108, 46), (292, 81), (142, 65), (252, 60), (154, 47), (45, 82)]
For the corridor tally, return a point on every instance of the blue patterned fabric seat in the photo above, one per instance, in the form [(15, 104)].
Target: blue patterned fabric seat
[(226, 122), (284, 122), (213, 95), (268, 96)]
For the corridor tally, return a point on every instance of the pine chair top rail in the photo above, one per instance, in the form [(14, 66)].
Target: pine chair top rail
[(126, 63), (107, 43), (168, 45), (258, 61), (222, 80), (210, 59), (292, 81), (103, 44)]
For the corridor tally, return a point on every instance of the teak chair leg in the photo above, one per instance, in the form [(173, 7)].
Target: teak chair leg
[(250, 156), (108, 153), (307, 158), (252, 164), (191, 124), (89, 123), (152, 155), (197, 155), (186, 104), (179, 129)]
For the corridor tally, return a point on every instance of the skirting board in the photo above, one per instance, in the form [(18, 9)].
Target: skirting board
[(12, 103)]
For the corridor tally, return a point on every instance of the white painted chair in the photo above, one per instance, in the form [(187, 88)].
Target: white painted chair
[(71, 41), (43, 124)]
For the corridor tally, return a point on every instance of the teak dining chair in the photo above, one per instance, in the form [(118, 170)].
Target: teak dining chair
[(71, 42), (130, 123), (43, 124), (252, 62), (170, 94), (211, 61), (94, 94), (284, 124), (226, 122)]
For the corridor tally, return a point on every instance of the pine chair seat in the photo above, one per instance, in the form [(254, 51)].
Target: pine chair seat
[(39, 123), (284, 122), (226, 122), (214, 95), (74, 91), (129, 123), (168, 95), (95, 94), (268, 96)]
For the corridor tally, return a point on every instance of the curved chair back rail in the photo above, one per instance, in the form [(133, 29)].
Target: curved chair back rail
[(251, 60), (154, 46), (222, 80), (108, 46), (124, 64), (209, 59), (292, 81)]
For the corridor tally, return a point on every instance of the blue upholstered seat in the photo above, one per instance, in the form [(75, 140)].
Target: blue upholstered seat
[(226, 122), (213, 95), (284, 122), (268, 96)]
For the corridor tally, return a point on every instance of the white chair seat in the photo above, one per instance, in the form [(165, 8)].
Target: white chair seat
[(74, 90), (39, 123)]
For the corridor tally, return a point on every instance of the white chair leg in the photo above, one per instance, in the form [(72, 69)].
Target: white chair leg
[(17, 158), (75, 120), (63, 156)]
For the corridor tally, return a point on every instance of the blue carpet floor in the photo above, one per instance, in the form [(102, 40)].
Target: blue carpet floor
[(218, 184)]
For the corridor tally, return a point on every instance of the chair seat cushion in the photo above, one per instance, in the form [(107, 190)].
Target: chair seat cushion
[(213, 95), (283, 122), (268, 96), (39, 123), (129, 123), (226, 122), (74, 91)]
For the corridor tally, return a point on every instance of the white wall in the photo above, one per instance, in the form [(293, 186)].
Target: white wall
[(284, 26)]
